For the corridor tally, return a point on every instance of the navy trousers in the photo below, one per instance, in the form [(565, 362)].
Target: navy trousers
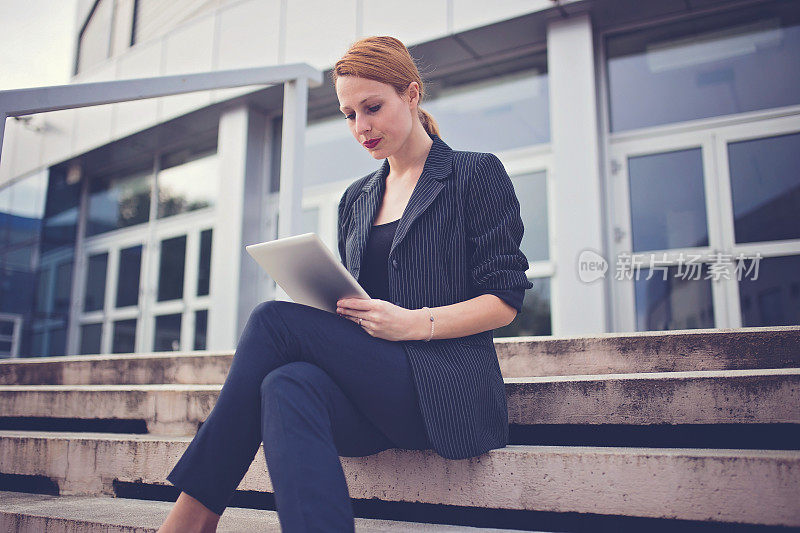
[(312, 386)]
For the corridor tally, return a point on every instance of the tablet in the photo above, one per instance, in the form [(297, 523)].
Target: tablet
[(307, 271)]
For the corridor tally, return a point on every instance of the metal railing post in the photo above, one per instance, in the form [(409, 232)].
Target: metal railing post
[(295, 103)]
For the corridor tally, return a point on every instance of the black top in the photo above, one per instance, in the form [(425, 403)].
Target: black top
[(374, 276)]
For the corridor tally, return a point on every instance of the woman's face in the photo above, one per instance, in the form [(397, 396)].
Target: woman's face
[(377, 116)]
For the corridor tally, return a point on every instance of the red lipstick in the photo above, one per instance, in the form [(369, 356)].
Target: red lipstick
[(372, 143)]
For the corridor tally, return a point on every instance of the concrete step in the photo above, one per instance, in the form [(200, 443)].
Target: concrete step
[(166, 367), (612, 353), (38, 513), (769, 396), (737, 486), (651, 351)]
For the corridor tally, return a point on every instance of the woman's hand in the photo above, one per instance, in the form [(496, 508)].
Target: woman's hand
[(382, 319)]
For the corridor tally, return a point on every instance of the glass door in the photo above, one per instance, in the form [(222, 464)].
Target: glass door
[(666, 232), (177, 303), (112, 294), (761, 211), (707, 228)]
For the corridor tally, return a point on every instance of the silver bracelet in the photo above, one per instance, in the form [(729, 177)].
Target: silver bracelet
[(431, 314)]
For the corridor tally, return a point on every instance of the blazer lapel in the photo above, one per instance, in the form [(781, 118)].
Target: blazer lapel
[(438, 167), (363, 213)]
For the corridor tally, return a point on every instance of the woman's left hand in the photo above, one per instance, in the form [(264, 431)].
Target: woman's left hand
[(380, 318)]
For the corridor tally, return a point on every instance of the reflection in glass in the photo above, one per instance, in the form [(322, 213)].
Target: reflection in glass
[(171, 268), (118, 201), (43, 285), (765, 185), (37, 344), (21, 213), (204, 269), (63, 288), (21, 210), (668, 206), (200, 329), (58, 341), (95, 282), (531, 191), (495, 114), (168, 333), (130, 266), (772, 298), (61, 213), (44, 333), (673, 299), (534, 318), (90, 338), (716, 65), (187, 181), (124, 340)]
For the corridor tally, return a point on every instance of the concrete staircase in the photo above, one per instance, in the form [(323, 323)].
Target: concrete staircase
[(673, 430)]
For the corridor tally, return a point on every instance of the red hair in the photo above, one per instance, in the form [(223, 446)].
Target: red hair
[(387, 60)]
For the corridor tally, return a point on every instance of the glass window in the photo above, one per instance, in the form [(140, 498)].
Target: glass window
[(739, 61), (668, 207), (168, 333), (21, 214), (95, 282), (90, 338), (118, 201), (22, 210), (170, 272), (770, 295), (531, 191), (187, 181), (332, 154), (58, 341), (765, 186), (122, 34), (204, 269), (130, 266), (6, 327), (43, 284), (95, 38), (675, 297), (61, 212), (495, 114), (534, 318), (200, 328), (63, 288), (124, 340), (5, 348)]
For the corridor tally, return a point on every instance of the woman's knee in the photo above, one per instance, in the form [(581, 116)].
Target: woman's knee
[(268, 308), (297, 375)]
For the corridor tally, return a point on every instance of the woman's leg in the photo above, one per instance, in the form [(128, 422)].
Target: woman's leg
[(365, 368), (307, 423)]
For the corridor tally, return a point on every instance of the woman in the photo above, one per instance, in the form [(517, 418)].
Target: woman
[(433, 236)]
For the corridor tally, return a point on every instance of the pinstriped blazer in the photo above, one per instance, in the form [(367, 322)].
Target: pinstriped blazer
[(458, 237)]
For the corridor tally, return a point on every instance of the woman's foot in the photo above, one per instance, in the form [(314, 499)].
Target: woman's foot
[(189, 516)]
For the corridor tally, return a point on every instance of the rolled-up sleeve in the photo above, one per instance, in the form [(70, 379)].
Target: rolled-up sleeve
[(494, 233)]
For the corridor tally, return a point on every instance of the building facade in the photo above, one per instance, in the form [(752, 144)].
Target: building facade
[(654, 147)]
